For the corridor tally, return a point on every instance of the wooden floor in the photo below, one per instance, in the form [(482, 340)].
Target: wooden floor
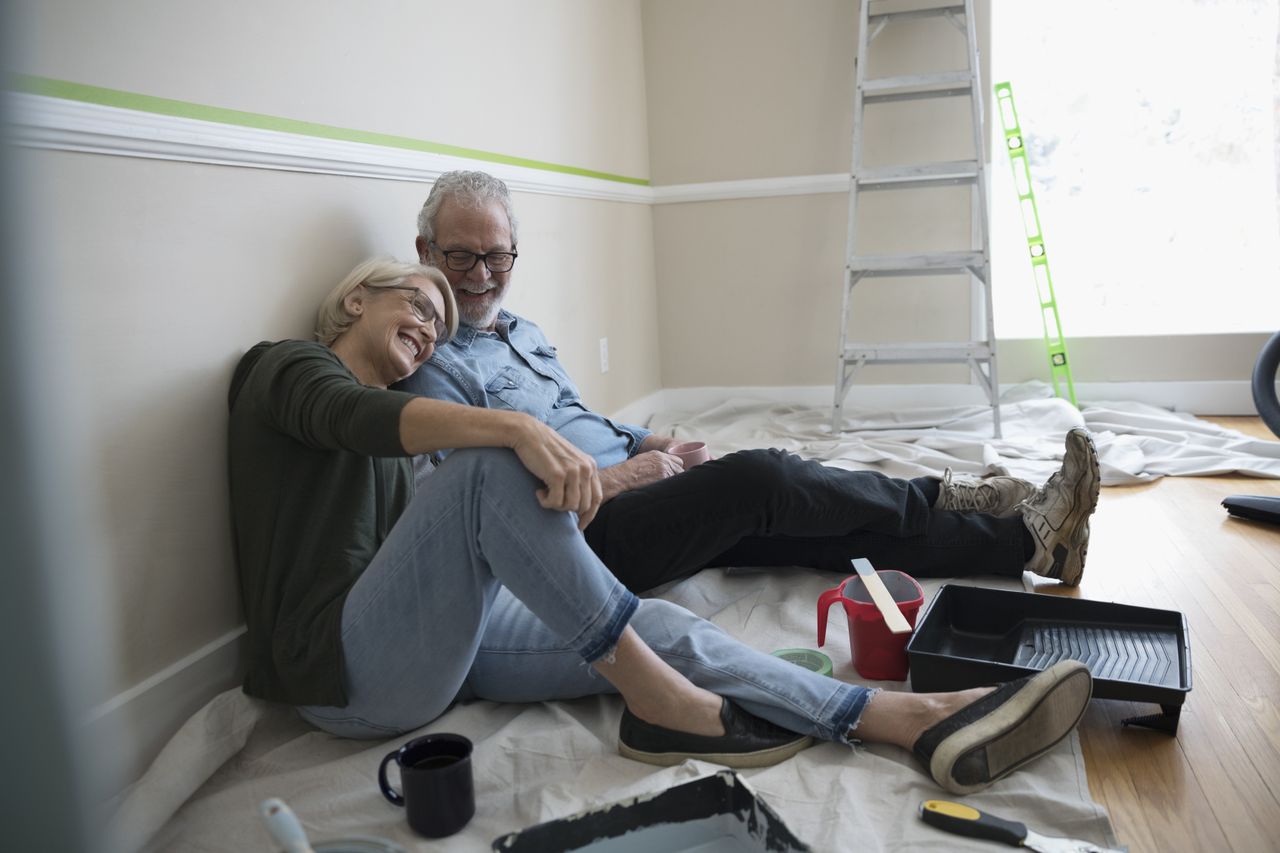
[(1216, 785)]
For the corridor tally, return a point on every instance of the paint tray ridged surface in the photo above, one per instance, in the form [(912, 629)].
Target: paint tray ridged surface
[(970, 637)]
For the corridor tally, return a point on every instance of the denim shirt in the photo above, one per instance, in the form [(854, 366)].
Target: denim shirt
[(514, 367)]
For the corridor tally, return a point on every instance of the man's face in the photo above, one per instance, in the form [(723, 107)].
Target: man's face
[(461, 227)]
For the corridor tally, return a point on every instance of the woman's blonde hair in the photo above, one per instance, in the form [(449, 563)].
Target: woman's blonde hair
[(333, 318)]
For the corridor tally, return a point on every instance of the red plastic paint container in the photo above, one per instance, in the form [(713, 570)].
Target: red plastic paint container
[(878, 653)]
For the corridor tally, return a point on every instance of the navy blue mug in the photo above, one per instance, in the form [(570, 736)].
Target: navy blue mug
[(435, 778)]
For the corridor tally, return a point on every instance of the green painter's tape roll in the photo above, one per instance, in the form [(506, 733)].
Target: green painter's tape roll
[(807, 658)]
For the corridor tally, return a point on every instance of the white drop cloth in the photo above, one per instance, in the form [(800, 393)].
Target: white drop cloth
[(1136, 442), (538, 762)]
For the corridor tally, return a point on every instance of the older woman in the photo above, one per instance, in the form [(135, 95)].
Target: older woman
[(372, 609)]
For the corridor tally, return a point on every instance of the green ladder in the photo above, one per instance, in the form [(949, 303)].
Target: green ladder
[(1059, 365)]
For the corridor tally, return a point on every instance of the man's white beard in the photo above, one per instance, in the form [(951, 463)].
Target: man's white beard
[(479, 316)]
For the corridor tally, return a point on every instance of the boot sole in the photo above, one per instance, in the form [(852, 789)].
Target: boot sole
[(1088, 489), (1025, 727), (736, 760)]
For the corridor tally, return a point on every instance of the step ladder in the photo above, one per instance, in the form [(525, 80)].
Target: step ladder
[(979, 352)]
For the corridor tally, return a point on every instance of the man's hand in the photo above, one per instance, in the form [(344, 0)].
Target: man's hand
[(572, 482), (653, 441), (640, 470)]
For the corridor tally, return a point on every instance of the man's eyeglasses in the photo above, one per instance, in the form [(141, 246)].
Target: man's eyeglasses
[(422, 307), (462, 261)]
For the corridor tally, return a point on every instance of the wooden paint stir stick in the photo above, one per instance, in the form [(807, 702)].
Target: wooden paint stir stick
[(893, 617)]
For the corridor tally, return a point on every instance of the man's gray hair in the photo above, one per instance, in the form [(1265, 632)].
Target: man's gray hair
[(473, 189), (332, 319)]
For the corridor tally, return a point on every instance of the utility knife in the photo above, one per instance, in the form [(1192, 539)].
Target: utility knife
[(966, 820)]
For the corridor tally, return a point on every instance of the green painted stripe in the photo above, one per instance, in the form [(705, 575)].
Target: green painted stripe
[(69, 91)]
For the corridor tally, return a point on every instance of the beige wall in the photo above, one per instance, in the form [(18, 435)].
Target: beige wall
[(744, 88), (741, 89), (555, 80), (165, 272)]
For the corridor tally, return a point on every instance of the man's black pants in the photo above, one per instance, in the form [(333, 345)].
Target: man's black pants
[(772, 508)]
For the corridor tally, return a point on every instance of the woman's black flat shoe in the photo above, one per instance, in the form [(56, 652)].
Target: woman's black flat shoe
[(748, 741)]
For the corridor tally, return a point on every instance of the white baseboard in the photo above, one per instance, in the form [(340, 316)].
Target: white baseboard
[(41, 121), (1227, 397), (639, 411), (65, 124), (137, 723), (1224, 397)]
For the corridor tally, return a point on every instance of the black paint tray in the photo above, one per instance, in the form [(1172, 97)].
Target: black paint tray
[(710, 815), (971, 637)]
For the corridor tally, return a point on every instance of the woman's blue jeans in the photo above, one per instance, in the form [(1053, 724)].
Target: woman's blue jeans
[(480, 593)]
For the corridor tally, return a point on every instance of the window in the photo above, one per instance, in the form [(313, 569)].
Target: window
[(1151, 141)]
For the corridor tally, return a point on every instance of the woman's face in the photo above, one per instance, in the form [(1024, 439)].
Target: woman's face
[(398, 327)]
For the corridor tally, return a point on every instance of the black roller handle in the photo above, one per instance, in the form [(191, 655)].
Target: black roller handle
[(971, 822)]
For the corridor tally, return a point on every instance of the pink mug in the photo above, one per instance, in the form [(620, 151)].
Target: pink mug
[(690, 452)]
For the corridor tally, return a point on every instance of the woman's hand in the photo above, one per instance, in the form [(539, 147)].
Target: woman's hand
[(572, 481)]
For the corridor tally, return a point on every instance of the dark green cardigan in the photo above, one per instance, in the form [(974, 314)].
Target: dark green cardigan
[(318, 479)]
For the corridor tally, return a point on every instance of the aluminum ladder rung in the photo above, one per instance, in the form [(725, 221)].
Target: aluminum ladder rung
[(921, 353), (917, 176), (928, 12), (943, 84), (922, 263)]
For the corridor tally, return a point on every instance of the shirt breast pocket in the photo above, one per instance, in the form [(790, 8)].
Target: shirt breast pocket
[(549, 366), (506, 389)]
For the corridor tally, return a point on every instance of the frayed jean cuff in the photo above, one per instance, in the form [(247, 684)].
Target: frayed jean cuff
[(850, 713), (615, 615)]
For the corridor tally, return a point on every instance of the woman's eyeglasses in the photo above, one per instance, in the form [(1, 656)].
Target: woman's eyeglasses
[(422, 307)]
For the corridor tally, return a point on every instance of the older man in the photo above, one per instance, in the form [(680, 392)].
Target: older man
[(659, 523)]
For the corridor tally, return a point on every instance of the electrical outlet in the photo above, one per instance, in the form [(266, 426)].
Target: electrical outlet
[(604, 355)]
